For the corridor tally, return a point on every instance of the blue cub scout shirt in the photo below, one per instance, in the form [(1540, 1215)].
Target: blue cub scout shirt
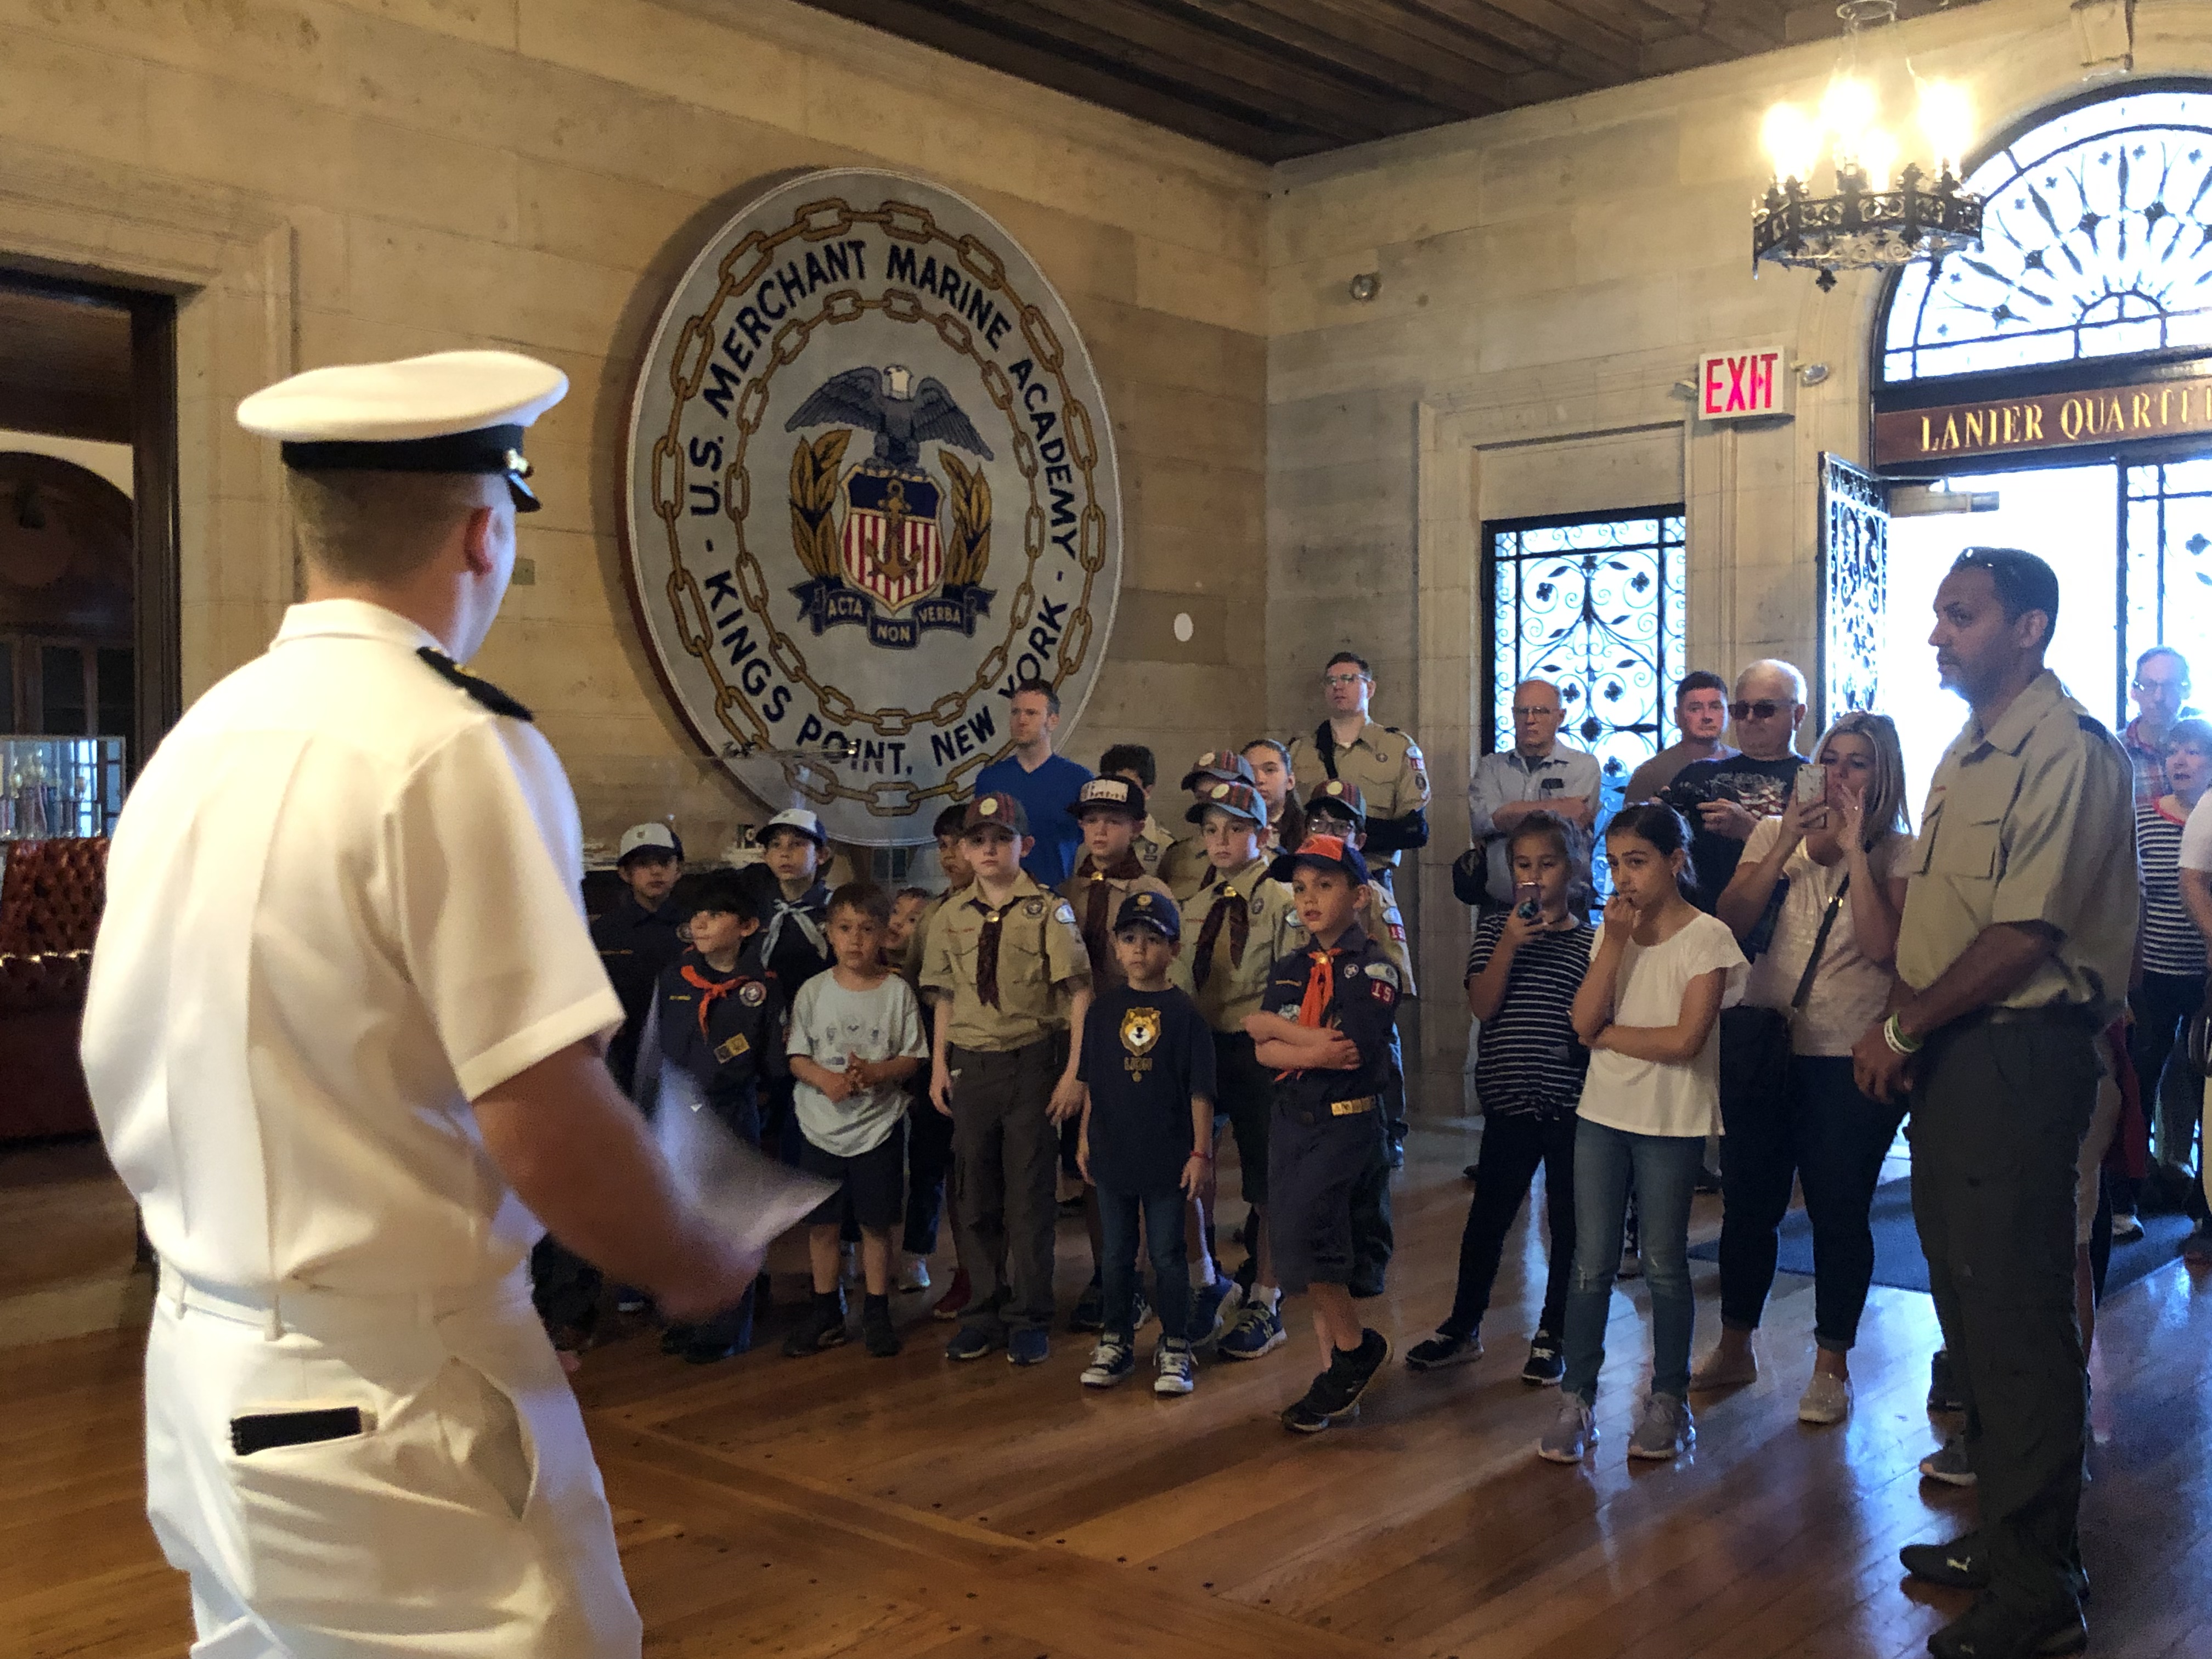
[(1363, 1004), (742, 1039)]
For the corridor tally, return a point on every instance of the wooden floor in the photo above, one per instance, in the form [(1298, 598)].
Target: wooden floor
[(909, 1509)]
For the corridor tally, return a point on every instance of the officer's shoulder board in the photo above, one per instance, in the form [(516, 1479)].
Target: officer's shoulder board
[(482, 690), (2092, 724)]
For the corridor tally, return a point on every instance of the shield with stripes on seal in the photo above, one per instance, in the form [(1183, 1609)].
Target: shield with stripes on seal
[(891, 550)]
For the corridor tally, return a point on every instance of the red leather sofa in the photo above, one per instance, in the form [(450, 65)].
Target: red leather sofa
[(50, 901)]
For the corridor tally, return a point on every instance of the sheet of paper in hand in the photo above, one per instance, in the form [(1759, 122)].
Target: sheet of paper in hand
[(751, 1198)]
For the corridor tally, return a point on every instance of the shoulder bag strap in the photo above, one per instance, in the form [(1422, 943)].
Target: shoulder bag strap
[(1820, 944), (1325, 746)]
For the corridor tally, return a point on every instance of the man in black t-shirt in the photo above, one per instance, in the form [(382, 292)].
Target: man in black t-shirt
[(1146, 1065), (1724, 799)]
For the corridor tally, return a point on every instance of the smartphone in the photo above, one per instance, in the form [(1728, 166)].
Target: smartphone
[(1528, 900), (1812, 783)]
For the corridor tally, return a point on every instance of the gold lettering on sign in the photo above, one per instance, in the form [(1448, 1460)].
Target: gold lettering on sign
[(2034, 424), (2103, 414)]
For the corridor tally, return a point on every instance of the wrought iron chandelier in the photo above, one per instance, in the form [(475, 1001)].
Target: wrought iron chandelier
[(1872, 220)]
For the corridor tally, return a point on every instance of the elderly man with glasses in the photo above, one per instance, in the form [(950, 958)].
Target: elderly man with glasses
[(2160, 690), (1724, 799), (1538, 774)]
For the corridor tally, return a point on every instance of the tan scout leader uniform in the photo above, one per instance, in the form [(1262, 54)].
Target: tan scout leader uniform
[(1383, 764), (1007, 974), (1243, 1089), (343, 903), (2031, 822)]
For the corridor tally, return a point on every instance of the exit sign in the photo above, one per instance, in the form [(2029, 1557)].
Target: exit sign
[(1735, 384)]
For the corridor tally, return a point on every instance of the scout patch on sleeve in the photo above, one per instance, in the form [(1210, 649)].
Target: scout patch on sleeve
[(1259, 903), (1385, 994), (1063, 914), (752, 993), (1383, 972), (1036, 908), (736, 1046)]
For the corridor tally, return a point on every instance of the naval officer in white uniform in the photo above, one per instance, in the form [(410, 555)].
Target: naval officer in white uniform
[(344, 1037)]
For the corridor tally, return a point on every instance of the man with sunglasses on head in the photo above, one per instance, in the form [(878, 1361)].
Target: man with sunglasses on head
[(1724, 799)]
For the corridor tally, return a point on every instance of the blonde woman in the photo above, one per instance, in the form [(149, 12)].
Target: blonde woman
[(1841, 855)]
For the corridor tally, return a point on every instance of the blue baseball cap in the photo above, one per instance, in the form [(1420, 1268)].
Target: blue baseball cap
[(1324, 853), (1150, 910)]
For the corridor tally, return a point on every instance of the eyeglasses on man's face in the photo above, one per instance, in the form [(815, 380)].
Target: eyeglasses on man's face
[(1529, 711), (1761, 710), (1341, 679), (2175, 688)]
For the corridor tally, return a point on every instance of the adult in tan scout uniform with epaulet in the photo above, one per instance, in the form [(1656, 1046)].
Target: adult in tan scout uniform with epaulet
[(1234, 926), (1006, 968), (2013, 953), (1381, 761)]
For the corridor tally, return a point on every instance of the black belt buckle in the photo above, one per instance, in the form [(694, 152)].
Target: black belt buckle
[(258, 1432)]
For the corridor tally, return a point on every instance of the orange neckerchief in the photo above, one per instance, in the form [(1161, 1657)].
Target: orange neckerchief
[(711, 991), (1313, 1006)]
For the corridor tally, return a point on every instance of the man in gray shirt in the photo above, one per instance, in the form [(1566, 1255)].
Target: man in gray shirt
[(1538, 773)]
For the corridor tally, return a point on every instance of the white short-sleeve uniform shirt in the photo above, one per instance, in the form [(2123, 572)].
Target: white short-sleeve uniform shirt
[(343, 901)]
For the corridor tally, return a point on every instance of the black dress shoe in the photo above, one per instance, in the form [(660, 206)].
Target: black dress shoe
[(1992, 1629)]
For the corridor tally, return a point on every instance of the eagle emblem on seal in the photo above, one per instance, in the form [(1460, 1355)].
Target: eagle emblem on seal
[(909, 552)]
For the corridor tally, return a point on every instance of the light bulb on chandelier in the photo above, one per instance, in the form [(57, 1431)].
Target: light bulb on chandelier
[(1876, 215)]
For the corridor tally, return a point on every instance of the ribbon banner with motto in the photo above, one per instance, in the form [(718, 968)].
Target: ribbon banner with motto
[(872, 488)]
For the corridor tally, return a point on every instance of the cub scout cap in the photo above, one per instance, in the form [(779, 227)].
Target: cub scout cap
[(1218, 765), (1119, 794), (996, 811), (792, 817), (453, 411), (1324, 853), (1338, 796), (647, 838), (1149, 911), (1242, 798)]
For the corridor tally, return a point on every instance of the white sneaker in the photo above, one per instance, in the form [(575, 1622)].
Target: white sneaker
[(1827, 1400), (1665, 1431), (915, 1276), (1178, 1371), (1571, 1435)]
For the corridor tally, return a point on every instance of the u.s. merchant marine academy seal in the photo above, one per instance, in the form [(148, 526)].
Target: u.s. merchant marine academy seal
[(872, 488)]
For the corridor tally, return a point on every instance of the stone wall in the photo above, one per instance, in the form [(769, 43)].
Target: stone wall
[(1547, 276), (327, 182)]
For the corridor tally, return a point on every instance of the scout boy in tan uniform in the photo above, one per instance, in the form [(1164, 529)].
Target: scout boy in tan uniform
[(1185, 867), (1238, 922), (1004, 965)]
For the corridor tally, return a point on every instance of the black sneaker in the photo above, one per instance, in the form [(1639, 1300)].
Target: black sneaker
[(1995, 1629), (1547, 1362), (1943, 1393), (877, 1330), (822, 1327), (1330, 1398), (1963, 1564), (1443, 1349), (1090, 1313), (1361, 1365)]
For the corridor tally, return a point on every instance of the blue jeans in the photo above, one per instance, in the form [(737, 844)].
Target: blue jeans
[(1665, 1172), (1162, 1215)]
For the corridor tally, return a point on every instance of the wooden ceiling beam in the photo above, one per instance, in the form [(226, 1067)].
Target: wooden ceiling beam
[(1543, 32), (1469, 93), (1745, 26), (1142, 41), (933, 24)]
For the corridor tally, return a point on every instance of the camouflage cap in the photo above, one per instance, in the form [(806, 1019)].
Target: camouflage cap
[(1224, 765), (1242, 798), (1338, 796)]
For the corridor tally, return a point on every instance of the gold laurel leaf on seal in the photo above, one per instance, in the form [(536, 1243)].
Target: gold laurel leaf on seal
[(969, 554), (814, 502)]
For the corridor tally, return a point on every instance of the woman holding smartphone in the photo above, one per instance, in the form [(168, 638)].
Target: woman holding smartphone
[(1833, 858)]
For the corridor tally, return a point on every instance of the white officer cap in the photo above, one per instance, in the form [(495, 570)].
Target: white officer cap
[(641, 836), (453, 411), (795, 817)]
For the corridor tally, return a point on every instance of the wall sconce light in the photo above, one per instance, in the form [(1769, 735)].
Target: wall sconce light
[(1812, 374), (1366, 285)]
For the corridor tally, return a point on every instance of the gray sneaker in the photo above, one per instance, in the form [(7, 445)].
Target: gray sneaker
[(1665, 1431), (1571, 1435), (1949, 1464)]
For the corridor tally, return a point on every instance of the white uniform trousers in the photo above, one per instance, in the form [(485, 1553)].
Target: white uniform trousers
[(465, 1520)]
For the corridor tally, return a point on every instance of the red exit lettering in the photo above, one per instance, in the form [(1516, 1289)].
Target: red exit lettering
[(1739, 383)]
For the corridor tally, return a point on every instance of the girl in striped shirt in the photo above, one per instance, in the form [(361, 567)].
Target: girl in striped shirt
[(1527, 964)]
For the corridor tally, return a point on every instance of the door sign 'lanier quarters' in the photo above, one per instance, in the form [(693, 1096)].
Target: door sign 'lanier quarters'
[(872, 488)]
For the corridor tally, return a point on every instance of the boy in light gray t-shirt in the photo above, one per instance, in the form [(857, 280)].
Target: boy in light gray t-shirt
[(856, 1037)]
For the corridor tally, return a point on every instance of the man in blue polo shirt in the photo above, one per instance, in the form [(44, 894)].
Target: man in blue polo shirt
[(1046, 784)]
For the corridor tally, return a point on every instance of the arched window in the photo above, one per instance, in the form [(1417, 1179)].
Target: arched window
[(2097, 242)]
